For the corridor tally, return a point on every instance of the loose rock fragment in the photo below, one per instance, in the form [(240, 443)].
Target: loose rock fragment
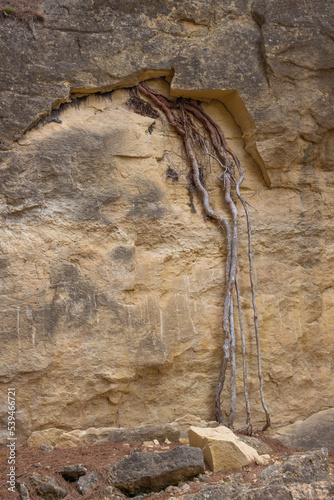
[(23, 490), (146, 472), (47, 487), (46, 447), (222, 449), (72, 472), (87, 483)]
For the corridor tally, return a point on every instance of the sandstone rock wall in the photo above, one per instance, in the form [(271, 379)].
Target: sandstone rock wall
[(111, 288)]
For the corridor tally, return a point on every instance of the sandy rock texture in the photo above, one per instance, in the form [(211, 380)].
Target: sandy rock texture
[(223, 450), (111, 289)]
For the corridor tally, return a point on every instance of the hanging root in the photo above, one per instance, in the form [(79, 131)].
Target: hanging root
[(199, 133)]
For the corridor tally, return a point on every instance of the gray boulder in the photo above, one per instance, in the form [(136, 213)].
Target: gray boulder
[(314, 432), (47, 487), (300, 468), (146, 472)]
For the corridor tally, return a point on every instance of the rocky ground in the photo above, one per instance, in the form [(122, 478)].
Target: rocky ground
[(99, 458)]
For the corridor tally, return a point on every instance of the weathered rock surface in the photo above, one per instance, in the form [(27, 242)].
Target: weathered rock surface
[(72, 472), (105, 273), (188, 421), (78, 437), (146, 433), (87, 482), (300, 477), (316, 491), (300, 468), (23, 491), (146, 472), (223, 450), (47, 487), (314, 432)]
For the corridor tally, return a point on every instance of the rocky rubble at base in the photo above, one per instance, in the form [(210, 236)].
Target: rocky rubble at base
[(179, 473)]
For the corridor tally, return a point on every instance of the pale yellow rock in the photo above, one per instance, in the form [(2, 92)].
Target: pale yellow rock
[(50, 436), (149, 444), (112, 289), (263, 459), (77, 437), (69, 439), (222, 450)]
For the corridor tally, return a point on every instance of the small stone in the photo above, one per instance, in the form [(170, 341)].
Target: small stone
[(156, 442), (46, 447), (203, 479), (37, 465), (172, 489), (23, 490), (148, 443), (72, 473), (263, 460), (167, 441), (113, 493), (87, 483)]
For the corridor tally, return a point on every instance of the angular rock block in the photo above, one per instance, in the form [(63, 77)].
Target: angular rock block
[(223, 450), (146, 472), (47, 487)]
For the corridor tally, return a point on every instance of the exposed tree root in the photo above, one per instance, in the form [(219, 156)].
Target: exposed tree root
[(198, 130)]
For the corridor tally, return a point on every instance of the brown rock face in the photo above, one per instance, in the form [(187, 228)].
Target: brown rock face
[(111, 288)]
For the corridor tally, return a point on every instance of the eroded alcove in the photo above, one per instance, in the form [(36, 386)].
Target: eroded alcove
[(113, 287)]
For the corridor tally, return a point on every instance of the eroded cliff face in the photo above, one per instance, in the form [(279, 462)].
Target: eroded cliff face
[(112, 289)]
